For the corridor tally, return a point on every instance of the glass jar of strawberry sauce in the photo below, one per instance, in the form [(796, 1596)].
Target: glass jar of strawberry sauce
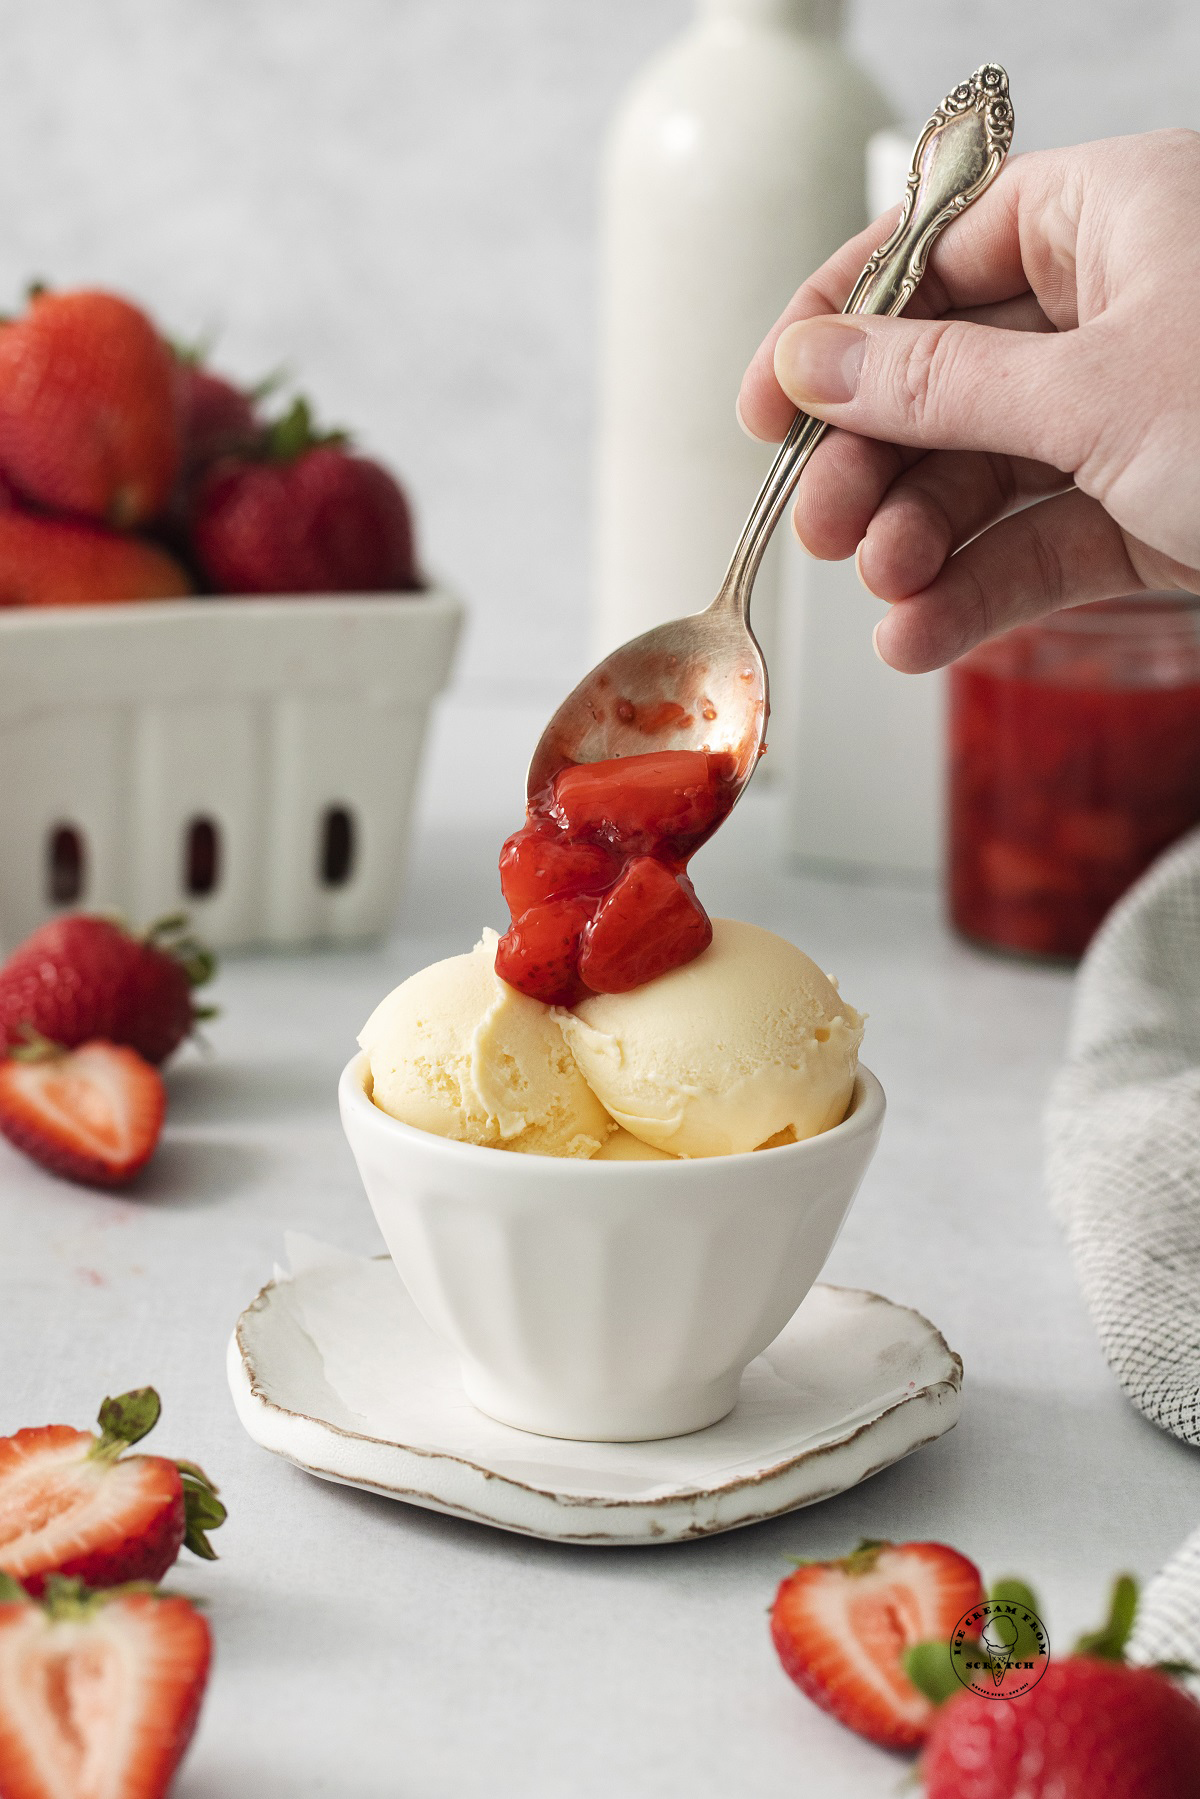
[(1074, 759)]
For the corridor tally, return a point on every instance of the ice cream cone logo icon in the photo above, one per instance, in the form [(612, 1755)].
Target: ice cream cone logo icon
[(999, 1638), (999, 1649)]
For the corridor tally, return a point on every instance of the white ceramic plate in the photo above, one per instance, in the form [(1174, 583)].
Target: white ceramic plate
[(333, 1368)]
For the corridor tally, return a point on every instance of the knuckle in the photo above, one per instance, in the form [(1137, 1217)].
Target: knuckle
[(1004, 481), (1049, 576), (1181, 138), (980, 619), (924, 373)]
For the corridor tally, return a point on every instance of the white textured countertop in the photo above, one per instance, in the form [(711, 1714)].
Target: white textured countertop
[(369, 1650)]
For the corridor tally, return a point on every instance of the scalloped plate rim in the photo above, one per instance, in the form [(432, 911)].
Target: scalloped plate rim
[(442, 1479)]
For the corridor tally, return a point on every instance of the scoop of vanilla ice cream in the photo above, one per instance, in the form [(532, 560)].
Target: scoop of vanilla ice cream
[(745, 1042), (457, 1051), (623, 1146)]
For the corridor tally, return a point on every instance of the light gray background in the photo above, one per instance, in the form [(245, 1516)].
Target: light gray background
[(368, 1650), (396, 197)]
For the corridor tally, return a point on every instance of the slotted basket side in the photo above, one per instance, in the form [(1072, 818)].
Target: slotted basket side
[(251, 761)]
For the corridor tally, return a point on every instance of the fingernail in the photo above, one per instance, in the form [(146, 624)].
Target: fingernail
[(858, 571), (797, 536), (818, 361), (737, 407), (875, 645)]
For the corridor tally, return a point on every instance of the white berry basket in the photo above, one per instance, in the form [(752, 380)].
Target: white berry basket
[(251, 761)]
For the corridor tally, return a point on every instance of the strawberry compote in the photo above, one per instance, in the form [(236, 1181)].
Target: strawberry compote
[(596, 878), (1074, 760)]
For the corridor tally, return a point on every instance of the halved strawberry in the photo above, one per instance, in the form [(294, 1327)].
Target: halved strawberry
[(99, 1692), (538, 863), (649, 922), (72, 1504), (92, 1114), (539, 951), (842, 1630)]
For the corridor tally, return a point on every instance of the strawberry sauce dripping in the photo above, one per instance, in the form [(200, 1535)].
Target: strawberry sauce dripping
[(596, 878)]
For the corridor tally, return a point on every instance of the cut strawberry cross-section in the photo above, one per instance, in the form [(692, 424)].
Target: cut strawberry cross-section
[(92, 1114), (842, 1630), (99, 1692), (72, 1503)]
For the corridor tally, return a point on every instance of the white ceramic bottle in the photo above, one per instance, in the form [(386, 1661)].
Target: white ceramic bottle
[(734, 167), (861, 754)]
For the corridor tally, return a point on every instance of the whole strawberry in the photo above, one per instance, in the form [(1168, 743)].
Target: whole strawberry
[(1088, 1730), (81, 977), (216, 418), (88, 419), (65, 562), (74, 1504), (307, 517), (1091, 1728)]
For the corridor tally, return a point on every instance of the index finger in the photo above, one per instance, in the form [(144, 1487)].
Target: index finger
[(976, 262)]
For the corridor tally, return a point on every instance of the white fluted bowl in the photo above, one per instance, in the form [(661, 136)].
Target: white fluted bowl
[(610, 1301)]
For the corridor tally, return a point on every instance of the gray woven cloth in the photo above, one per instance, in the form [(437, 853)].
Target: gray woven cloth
[(1123, 1168)]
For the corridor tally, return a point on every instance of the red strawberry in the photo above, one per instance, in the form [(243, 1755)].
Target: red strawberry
[(92, 1114), (1088, 1730), (661, 802), (87, 407), (99, 1692), (82, 977), (1091, 1728), (649, 922), (539, 951), (842, 1630), (62, 562), (538, 863), (74, 1504), (216, 418), (308, 518)]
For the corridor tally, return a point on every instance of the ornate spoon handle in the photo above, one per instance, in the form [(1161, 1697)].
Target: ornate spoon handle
[(957, 156)]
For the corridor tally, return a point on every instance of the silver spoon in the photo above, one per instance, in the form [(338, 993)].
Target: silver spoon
[(700, 683)]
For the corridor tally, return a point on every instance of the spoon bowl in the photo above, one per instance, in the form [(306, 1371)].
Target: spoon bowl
[(700, 682), (697, 683)]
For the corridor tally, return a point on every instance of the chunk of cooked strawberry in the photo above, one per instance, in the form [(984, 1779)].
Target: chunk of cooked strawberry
[(662, 802), (99, 1692), (74, 1504), (651, 921), (92, 1114), (539, 952), (842, 1630), (538, 864)]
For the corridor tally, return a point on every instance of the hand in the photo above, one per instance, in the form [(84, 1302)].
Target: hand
[(1027, 436)]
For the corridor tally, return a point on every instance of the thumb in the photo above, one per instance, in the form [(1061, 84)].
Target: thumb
[(940, 384)]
